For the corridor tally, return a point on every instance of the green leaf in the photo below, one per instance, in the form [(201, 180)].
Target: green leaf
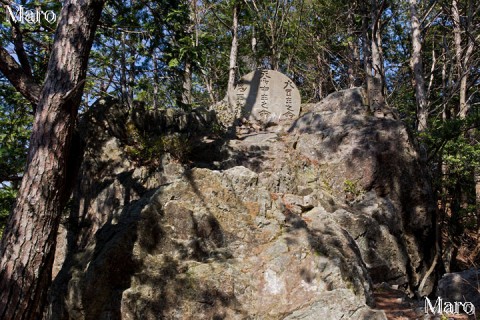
[(173, 63)]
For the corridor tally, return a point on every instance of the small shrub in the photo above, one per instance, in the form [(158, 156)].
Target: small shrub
[(148, 148), (352, 190)]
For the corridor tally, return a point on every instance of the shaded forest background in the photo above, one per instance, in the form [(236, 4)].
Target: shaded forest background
[(184, 54)]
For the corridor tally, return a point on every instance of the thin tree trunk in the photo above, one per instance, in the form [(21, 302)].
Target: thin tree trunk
[(156, 81), (457, 37), (233, 57), (187, 83), (367, 56), (462, 56), (376, 46), (476, 176), (354, 54), (209, 86), (375, 70), (416, 64), (463, 59), (321, 78), (28, 244), (131, 72), (354, 64), (186, 97), (123, 69)]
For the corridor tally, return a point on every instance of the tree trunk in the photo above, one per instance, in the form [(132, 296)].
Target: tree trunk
[(187, 83), (476, 176), (375, 70), (233, 57), (131, 72), (209, 85), (462, 55), (321, 79), (156, 81), (376, 46), (28, 244), (416, 63), (367, 56), (354, 52), (354, 66), (186, 96)]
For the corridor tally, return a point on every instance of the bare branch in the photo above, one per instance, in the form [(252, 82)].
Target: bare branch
[(23, 82), (19, 48), (428, 11), (434, 62), (221, 20)]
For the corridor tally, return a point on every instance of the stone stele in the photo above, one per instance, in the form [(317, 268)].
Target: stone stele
[(267, 95)]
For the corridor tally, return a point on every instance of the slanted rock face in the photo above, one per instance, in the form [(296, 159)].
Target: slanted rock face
[(293, 223), (222, 260)]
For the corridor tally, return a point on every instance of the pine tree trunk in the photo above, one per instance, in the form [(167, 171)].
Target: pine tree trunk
[(28, 244), (233, 57), (416, 63)]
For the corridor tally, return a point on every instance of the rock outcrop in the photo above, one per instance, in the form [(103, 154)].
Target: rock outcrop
[(460, 287), (288, 223), (373, 162)]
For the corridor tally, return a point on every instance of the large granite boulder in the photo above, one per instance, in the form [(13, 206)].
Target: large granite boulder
[(372, 162), (295, 222), (460, 287)]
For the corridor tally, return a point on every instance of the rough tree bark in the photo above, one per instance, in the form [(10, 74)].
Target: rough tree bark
[(28, 244), (416, 63), (233, 57)]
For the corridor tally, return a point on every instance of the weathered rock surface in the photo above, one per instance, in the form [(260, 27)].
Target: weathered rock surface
[(373, 162), (460, 287), (293, 223)]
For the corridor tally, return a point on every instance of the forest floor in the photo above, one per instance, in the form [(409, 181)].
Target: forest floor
[(398, 306)]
